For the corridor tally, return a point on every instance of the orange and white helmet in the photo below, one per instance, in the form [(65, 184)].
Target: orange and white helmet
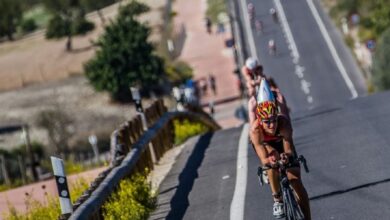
[(266, 103)]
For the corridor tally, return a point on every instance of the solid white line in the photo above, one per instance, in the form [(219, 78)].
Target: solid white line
[(248, 28), (238, 201), (332, 49), (286, 28)]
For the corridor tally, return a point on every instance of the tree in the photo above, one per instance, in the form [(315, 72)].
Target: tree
[(57, 124), (125, 58), (10, 16), (381, 64), (97, 5), (69, 15)]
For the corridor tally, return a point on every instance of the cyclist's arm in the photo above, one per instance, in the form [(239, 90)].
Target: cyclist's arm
[(256, 136), (287, 132)]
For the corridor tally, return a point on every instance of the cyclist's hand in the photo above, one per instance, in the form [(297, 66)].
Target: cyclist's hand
[(272, 160), (284, 158)]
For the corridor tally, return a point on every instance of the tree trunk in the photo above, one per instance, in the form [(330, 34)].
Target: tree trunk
[(10, 36), (69, 43)]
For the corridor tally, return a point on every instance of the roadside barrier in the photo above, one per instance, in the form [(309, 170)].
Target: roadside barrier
[(130, 152)]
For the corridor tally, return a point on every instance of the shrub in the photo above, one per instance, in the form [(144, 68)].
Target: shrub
[(185, 129), (133, 200), (82, 26), (56, 28), (28, 25), (178, 72), (45, 210)]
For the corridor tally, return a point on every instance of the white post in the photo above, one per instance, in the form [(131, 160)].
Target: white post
[(62, 185)]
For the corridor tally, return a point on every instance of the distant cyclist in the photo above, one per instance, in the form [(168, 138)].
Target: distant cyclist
[(251, 11), (274, 14), (258, 26), (272, 140), (253, 74), (272, 47)]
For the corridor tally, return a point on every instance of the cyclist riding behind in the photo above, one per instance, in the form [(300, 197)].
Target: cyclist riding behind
[(271, 136), (253, 73), (251, 11)]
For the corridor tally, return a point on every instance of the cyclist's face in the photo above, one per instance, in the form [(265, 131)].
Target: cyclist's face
[(269, 125)]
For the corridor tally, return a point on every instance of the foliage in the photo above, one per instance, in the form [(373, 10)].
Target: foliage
[(48, 210), (215, 7), (57, 125), (39, 14), (28, 25), (381, 64), (133, 200), (349, 41), (82, 26), (68, 20), (178, 72), (374, 15), (186, 129), (10, 16), (56, 28), (124, 59)]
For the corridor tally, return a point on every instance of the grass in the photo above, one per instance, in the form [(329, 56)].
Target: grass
[(39, 14), (48, 210)]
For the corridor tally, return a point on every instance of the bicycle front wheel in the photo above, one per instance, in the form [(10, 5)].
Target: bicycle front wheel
[(292, 209)]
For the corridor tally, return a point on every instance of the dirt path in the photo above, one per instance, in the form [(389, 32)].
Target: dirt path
[(35, 59)]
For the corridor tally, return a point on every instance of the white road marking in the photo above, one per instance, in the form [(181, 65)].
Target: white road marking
[(249, 32), (305, 86), (238, 201), (287, 30), (310, 99), (299, 70), (225, 177), (332, 49)]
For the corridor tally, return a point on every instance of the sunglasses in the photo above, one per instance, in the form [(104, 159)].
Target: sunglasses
[(269, 120)]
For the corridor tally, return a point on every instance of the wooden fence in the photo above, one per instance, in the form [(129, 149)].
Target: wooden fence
[(134, 149)]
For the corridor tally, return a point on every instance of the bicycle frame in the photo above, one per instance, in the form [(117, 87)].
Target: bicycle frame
[(291, 207)]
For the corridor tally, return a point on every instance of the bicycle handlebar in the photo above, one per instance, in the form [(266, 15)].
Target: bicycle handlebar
[(301, 159)]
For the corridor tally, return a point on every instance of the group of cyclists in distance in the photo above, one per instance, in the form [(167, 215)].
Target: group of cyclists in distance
[(271, 134), (258, 25)]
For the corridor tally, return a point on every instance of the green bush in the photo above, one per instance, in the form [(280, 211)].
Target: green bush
[(349, 41), (28, 25), (215, 7), (48, 210), (186, 129), (133, 200), (82, 26), (56, 28), (178, 72)]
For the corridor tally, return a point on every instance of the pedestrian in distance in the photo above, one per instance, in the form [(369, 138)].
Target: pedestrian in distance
[(212, 83)]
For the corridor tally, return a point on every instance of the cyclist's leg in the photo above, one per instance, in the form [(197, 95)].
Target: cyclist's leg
[(273, 175), (294, 176)]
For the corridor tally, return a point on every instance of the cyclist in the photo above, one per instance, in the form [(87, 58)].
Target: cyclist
[(253, 73), (271, 136), (271, 47), (251, 11), (258, 26), (274, 15)]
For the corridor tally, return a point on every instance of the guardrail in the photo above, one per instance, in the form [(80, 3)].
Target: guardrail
[(131, 148)]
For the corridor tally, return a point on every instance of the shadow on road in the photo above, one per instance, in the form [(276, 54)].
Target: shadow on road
[(179, 202)]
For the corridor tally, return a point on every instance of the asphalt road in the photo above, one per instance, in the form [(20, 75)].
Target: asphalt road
[(345, 141)]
